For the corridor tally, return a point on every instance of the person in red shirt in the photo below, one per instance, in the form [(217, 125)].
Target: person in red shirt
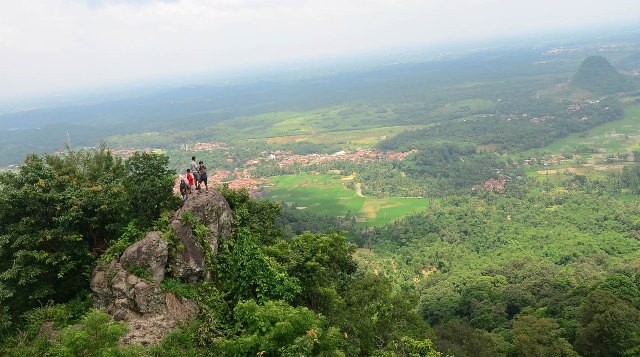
[(191, 181)]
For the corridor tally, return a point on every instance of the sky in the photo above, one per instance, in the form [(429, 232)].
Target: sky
[(48, 47)]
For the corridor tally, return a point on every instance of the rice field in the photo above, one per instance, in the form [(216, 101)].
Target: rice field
[(327, 194)]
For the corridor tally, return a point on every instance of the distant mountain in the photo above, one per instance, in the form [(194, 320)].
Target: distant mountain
[(598, 76)]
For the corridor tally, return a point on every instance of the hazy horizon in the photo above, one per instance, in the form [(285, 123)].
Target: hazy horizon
[(60, 45)]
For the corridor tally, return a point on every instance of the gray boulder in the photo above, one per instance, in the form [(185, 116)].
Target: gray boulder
[(212, 210), (151, 312), (118, 289), (151, 329), (150, 254), (139, 300)]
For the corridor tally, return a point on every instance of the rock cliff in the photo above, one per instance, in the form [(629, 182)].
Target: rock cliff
[(213, 211), (129, 287)]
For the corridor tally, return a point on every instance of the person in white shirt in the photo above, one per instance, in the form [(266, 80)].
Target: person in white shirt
[(194, 169)]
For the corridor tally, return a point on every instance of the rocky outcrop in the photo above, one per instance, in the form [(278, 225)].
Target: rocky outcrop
[(123, 293), (212, 210), (151, 329), (129, 287), (150, 254)]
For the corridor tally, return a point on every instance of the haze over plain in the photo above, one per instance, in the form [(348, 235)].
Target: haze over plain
[(51, 47)]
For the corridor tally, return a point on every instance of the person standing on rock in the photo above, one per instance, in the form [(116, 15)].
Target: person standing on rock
[(194, 167), (183, 190), (202, 176), (191, 181)]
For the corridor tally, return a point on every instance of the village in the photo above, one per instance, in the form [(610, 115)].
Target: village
[(242, 178), (286, 158)]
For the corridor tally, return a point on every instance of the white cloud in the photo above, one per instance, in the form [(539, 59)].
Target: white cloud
[(53, 45)]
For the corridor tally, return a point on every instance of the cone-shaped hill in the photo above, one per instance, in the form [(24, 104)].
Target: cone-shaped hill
[(598, 76)]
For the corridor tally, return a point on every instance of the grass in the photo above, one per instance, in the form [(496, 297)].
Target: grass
[(614, 137), (331, 119), (629, 197), (353, 125), (382, 211), (352, 138), (326, 194)]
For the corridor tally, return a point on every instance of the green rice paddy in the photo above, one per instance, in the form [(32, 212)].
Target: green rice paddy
[(327, 194), (613, 137)]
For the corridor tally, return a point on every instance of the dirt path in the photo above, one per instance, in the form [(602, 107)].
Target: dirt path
[(359, 189)]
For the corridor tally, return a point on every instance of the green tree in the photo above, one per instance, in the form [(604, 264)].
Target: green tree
[(609, 326), (278, 329), (408, 347), (373, 314), (59, 212), (321, 262), (43, 253), (97, 179), (148, 186), (458, 338), (540, 337), (247, 273), (623, 287)]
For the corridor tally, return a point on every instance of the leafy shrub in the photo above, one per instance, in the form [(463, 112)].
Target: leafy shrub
[(278, 329), (181, 342), (61, 315), (96, 334), (139, 271), (258, 216), (408, 347), (179, 287), (247, 273), (131, 234)]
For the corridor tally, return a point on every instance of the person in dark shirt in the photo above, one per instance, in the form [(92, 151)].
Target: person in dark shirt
[(183, 190), (202, 176)]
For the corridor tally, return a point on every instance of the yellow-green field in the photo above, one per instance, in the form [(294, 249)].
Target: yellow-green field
[(313, 122), (349, 138), (327, 194), (614, 137), (620, 137)]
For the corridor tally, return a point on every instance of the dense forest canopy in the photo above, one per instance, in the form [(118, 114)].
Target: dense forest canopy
[(539, 269), (271, 289)]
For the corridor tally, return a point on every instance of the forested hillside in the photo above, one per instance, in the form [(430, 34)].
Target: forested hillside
[(484, 203), (543, 269), (271, 294), (552, 271), (598, 76)]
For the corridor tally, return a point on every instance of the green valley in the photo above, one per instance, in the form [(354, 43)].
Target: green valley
[(479, 202)]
